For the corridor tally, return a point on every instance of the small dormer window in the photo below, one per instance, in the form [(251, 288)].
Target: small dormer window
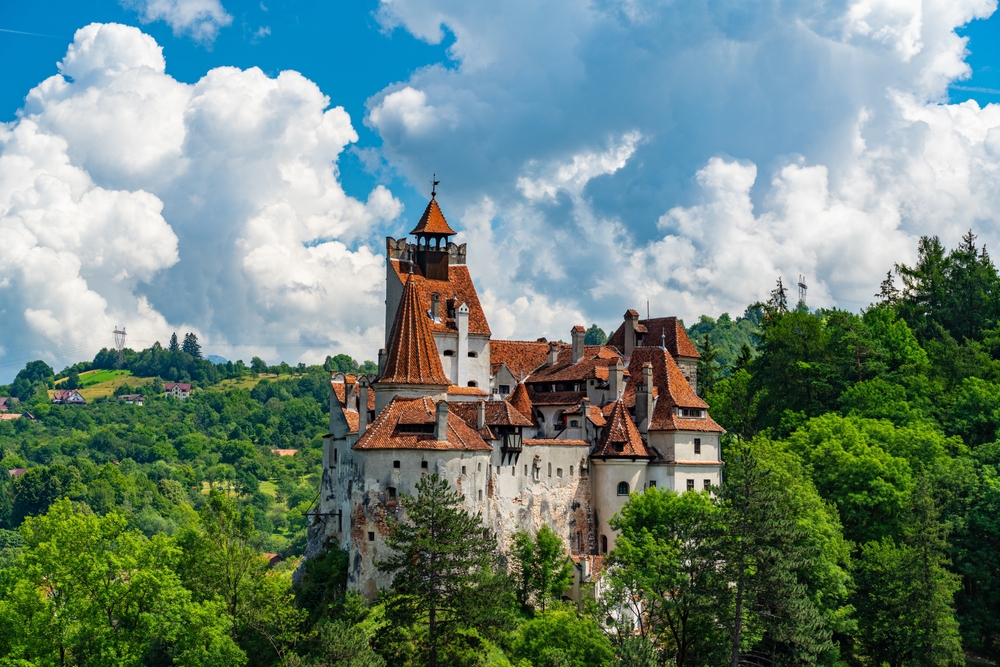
[(692, 413), (449, 353), (574, 423)]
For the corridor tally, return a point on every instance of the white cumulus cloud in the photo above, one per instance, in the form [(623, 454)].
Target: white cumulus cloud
[(199, 19), (128, 198)]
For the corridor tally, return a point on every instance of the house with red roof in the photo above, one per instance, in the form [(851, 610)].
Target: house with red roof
[(68, 397), (179, 390), (531, 433)]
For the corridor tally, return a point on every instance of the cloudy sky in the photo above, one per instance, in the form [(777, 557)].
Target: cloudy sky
[(232, 168)]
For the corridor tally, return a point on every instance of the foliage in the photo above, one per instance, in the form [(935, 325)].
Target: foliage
[(446, 575), (559, 638), (540, 566), (595, 335)]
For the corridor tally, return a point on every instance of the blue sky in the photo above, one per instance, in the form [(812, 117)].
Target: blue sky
[(594, 155)]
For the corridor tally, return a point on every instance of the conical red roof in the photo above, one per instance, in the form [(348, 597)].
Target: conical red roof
[(520, 401), (432, 221), (412, 353), (620, 436)]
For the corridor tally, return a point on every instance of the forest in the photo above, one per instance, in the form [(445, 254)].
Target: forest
[(857, 524)]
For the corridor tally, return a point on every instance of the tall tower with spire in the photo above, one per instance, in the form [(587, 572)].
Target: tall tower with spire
[(431, 251)]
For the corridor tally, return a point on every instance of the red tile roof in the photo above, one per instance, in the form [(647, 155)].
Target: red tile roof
[(412, 354), (432, 221), (556, 397), (465, 391), (659, 330), (183, 386), (672, 391), (535, 442), (394, 429), (595, 364), (521, 356), (620, 437), (521, 401), (459, 287), (498, 413)]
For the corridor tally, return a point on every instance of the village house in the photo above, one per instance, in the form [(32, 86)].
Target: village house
[(532, 433), (131, 399), (68, 397), (179, 390)]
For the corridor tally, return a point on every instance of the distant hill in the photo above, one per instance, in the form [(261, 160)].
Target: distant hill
[(216, 359)]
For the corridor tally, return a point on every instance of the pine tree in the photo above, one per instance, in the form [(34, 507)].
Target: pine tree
[(191, 345), (446, 575), (541, 567), (708, 367), (174, 346), (764, 553)]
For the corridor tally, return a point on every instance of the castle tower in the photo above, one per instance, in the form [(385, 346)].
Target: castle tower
[(431, 252)]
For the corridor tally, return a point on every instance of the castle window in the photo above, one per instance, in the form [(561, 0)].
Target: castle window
[(513, 471), (692, 413), (334, 455), (690, 485), (571, 471), (473, 383), (371, 536), (622, 488), (550, 470), (480, 495), (390, 495), (449, 353), (395, 464), (574, 422), (525, 470), (708, 484), (604, 544), (652, 483), (479, 467), (340, 522), (505, 389), (423, 464), (473, 355), (697, 445), (558, 472), (463, 470)]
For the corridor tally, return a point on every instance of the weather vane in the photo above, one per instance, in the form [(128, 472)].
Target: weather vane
[(434, 183)]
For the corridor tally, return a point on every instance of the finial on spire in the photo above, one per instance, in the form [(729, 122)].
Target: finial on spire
[(434, 183), (663, 338)]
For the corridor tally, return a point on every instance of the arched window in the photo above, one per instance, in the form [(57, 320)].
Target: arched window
[(622, 488), (604, 544), (473, 383), (449, 353), (473, 355), (574, 423)]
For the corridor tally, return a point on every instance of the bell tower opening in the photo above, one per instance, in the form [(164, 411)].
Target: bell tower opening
[(431, 249)]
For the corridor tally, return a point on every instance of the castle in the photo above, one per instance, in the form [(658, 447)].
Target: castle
[(530, 432)]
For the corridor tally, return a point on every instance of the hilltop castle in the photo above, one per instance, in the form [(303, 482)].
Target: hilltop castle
[(530, 432)]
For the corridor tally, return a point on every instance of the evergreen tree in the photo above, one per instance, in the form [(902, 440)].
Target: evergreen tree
[(765, 554), (174, 346), (708, 367), (595, 336), (904, 597), (191, 345), (446, 576)]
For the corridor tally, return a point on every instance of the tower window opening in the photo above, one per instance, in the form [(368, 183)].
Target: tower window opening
[(423, 464), (697, 445), (473, 383), (371, 536), (622, 488), (395, 464), (449, 353), (604, 544), (473, 355), (690, 485)]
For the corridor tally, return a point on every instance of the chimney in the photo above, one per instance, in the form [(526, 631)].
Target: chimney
[(436, 307), (584, 416), (383, 356), (644, 398), (350, 397), (480, 415), (362, 405), (631, 320), (553, 353), (577, 335), (334, 403), (441, 428), (616, 379)]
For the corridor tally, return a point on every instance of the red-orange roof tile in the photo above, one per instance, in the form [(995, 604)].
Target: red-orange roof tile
[(465, 391), (432, 221), (535, 442), (522, 357), (594, 365), (620, 437), (412, 353), (395, 428), (459, 288), (667, 331), (521, 401), (498, 413), (672, 391)]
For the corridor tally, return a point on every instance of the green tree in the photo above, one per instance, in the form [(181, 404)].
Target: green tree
[(258, 365), (595, 335), (664, 571), (174, 346), (708, 366), (904, 597), (767, 558), (541, 567), (72, 381), (444, 565), (111, 598), (560, 638), (191, 345)]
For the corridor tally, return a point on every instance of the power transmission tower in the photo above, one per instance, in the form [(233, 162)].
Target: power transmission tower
[(802, 289), (120, 345)]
